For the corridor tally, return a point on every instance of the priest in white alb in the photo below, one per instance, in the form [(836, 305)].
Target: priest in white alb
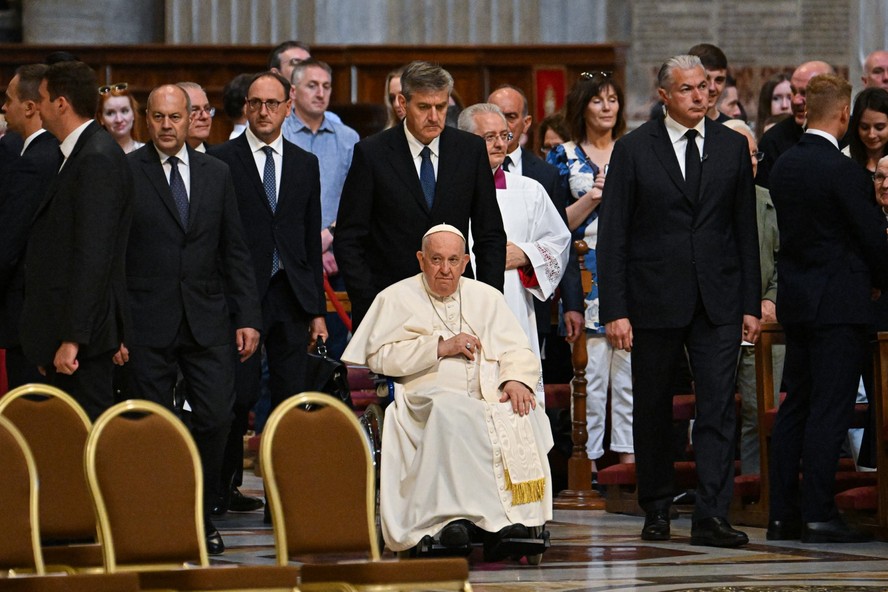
[(537, 238), (465, 440)]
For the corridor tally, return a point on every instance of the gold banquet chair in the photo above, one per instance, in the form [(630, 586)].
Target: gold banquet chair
[(20, 553), (55, 427), (139, 452), (319, 479)]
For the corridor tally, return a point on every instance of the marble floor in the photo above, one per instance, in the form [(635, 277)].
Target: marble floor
[(597, 551)]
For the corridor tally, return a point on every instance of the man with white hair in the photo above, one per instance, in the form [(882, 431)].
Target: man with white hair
[(465, 441), (537, 240)]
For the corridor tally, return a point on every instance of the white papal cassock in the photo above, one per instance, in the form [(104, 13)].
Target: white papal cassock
[(450, 449), (534, 225)]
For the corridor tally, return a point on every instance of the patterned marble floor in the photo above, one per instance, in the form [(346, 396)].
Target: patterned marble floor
[(596, 551)]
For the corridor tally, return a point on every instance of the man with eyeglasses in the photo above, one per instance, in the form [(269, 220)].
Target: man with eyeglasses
[(278, 191), (310, 128), (786, 134), (406, 179), (75, 306), (201, 116), (537, 239), (513, 103), (833, 263), (188, 274)]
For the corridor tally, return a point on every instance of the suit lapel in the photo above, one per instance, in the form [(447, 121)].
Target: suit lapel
[(153, 169), (402, 162), (196, 191), (248, 162), (665, 153), (711, 146)]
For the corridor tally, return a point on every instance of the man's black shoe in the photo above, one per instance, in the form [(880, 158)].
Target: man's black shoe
[(784, 530), (656, 526), (215, 544), (243, 503), (501, 544), (832, 531), (455, 534), (716, 532)]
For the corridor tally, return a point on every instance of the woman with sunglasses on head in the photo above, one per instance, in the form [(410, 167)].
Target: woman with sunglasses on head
[(117, 113), (594, 116)]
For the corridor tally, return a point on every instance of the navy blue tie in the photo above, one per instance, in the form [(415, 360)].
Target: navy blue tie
[(270, 185), (427, 176), (507, 163), (180, 194)]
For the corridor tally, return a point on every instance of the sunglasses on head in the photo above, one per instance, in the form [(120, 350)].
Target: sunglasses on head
[(592, 75), (114, 89)]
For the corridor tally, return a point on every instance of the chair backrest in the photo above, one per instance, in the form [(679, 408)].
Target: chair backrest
[(19, 522), (55, 427), (319, 479), (138, 454)]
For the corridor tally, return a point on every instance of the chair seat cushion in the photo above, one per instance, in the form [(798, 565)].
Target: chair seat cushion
[(221, 578), (454, 569), (859, 498)]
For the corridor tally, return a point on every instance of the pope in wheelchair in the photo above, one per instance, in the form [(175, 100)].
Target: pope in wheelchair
[(465, 441)]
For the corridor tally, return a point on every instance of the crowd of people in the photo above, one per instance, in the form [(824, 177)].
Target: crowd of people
[(173, 270)]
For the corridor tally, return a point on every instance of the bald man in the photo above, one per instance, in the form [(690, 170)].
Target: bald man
[(875, 70), (785, 134)]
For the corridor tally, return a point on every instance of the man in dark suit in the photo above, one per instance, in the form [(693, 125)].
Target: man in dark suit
[(185, 261), (679, 265), (23, 186), (279, 197), (785, 134), (833, 253), (513, 103), (406, 179), (75, 293)]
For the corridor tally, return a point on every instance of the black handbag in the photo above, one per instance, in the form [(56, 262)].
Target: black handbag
[(327, 375)]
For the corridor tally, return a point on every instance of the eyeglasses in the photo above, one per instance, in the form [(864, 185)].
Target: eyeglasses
[(271, 104), (504, 136), (294, 61), (757, 155), (114, 89), (879, 178), (591, 75), (196, 111)]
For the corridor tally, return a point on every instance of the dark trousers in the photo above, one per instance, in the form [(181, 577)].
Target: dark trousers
[(821, 374), (19, 370), (712, 352), (285, 341), (91, 385), (209, 372)]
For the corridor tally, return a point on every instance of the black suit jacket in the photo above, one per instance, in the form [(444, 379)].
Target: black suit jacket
[(75, 287), (571, 284), (383, 213), (833, 246), (294, 228), (24, 184), (775, 142), (658, 246), (174, 272)]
